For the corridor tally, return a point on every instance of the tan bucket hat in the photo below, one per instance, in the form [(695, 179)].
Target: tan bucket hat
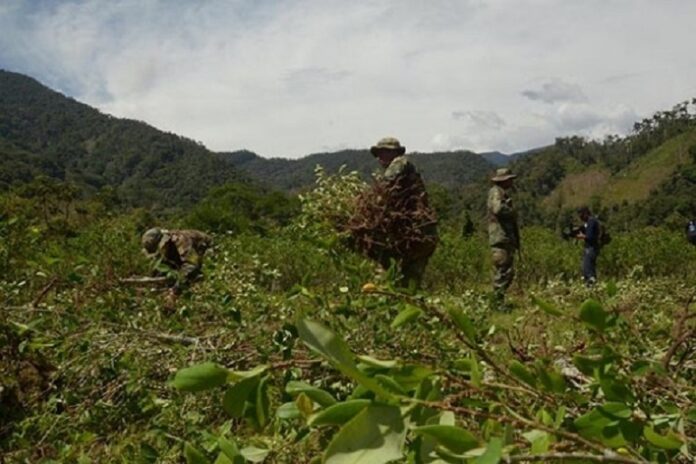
[(503, 174), (388, 143)]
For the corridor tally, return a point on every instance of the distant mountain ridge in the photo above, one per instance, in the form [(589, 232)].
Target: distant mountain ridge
[(449, 169)]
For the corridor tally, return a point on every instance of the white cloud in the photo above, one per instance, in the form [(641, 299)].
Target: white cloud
[(556, 91), (479, 119), (294, 77)]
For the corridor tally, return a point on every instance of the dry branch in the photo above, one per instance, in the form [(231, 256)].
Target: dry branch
[(568, 457), (392, 220), (143, 281)]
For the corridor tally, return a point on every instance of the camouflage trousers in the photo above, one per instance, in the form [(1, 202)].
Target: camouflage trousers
[(503, 268), (412, 266)]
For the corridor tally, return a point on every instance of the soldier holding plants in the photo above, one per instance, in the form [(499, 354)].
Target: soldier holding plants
[(393, 221), (503, 234)]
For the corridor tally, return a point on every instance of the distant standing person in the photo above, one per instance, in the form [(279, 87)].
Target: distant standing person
[(503, 234), (590, 233), (691, 231), (179, 250)]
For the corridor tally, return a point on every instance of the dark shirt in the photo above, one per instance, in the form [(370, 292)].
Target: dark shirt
[(691, 228), (592, 233)]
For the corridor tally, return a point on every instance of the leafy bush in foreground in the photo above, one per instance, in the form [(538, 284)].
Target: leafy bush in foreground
[(603, 401)]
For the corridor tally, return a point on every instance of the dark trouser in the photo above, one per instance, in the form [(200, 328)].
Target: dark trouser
[(503, 258), (412, 272), (412, 266), (589, 265)]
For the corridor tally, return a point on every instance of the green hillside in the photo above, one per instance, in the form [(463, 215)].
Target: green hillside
[(632, 184), (647, 174), (44, 132)]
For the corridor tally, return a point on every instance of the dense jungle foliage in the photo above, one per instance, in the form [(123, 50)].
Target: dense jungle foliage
[(294, 349)]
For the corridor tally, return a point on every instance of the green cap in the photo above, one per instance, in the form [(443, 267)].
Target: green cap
[(151, 239), (388, 143)]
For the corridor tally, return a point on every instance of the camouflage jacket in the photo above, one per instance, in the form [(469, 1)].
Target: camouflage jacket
[(183, 250), (405, 183), (502, 219)]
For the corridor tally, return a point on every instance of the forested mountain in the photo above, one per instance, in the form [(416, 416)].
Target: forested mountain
[(645, 178), (44, 132), (449, 169)]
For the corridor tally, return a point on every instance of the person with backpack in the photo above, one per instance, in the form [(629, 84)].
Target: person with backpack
[(591, 233), (691, 231)]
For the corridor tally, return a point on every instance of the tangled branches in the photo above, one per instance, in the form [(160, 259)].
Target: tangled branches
[(392, 220)]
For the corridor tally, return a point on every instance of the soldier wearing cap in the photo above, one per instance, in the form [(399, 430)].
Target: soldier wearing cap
[(406, 187), (179, 250), (503, 234)]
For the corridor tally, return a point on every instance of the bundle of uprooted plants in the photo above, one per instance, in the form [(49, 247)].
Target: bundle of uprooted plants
[(391, 220)]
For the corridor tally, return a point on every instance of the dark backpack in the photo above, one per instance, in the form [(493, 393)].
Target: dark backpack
[(691, 232)]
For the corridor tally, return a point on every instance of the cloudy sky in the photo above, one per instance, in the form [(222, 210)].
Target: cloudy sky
[(292, 77)]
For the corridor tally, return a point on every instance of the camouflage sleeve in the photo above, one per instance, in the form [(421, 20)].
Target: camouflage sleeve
[(499, 204), (191, 258), (398, 167)]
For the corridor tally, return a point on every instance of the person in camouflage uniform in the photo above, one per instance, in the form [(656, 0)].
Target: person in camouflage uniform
[(407, 193), (179, 250), (503, 234)]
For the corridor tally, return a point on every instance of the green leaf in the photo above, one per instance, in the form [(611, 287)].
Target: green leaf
[(254, 454), (548, 308), (522, 373), (592, 424), (471, 366), (612, 288), (262, 402), (234, 401), (390, 384), (323, 341), (222, 459), (615, 389), (410, 377), (193, 456), (317, 395), (551, 380), (200, 377), (540, 441), (493, 453), (592, 314), (339, 414), (453, 438), (288, 410), (616, 410), (378, 363), (230, 450), (304, 405), (463, 323), (376, 435), (407, 314), (255, 372), (669, 441)]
